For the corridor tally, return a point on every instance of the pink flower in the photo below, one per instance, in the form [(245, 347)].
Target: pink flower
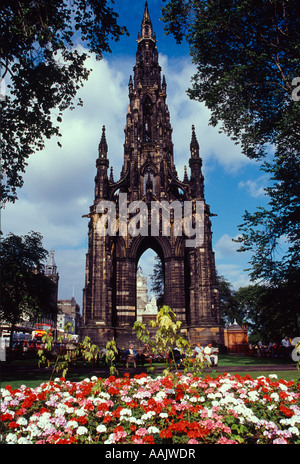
[(141, 431), (226, 441), (119, 435), (280, 441), (192, 441)]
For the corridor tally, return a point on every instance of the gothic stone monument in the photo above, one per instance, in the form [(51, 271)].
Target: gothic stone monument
[(149, 184)]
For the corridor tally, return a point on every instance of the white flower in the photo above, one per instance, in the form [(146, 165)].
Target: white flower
[(22, 421), (153, 429), (11, 438), (148, 415), (110, 440), (294, 430), (101, 428), (283, 387), (163, 415), (215, 403), (82, 430), (33, 430), (71, 424), (126, 412), (160, 395), (253, 395), (24, 441)]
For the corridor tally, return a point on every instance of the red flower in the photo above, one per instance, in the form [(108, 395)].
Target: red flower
[(149, 439), (42, 410), (286, 411), (119, 428), (5, 417), (42, 396), (103, 407), (89, 407), (113, 391), (166, 433), (13, 425), (283, 395)]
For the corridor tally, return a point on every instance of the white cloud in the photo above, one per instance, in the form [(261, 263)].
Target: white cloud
[(214, 146), (255, 188), (234, 274), (225, 247)]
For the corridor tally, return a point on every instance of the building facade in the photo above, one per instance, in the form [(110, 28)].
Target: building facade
[(149, 207), (69, 311)]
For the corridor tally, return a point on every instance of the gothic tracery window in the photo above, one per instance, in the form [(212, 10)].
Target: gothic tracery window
[(148, 180)]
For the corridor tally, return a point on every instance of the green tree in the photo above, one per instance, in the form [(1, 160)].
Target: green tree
[(271, 311), (273, 234), (246, 54), (167, 334), (25, 290), (229, 308), (43, 64), (157, 280)]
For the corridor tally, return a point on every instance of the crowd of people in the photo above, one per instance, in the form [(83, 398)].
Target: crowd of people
[(209, 354), (272, 349)]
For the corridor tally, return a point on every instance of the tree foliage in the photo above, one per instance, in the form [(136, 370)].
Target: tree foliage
[(157, 280), (246, 54), (25, 290), (43, 65), (270, 311), (273, 234)]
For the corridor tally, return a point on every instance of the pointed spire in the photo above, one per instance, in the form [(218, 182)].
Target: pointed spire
[(103, 148), (111, 177), (185, 177), (146, 27), (130, 85), (194, 146), (51, 265)]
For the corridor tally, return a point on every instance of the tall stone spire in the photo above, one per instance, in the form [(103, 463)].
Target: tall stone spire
[(102, 164), (146, 28), (103, 148), (195, 163), (149, 184)]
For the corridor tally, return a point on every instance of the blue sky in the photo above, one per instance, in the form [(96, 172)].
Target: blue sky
[(59, 182)]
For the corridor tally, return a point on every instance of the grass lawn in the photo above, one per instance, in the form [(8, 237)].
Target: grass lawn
[(33, 378), (235, 360)]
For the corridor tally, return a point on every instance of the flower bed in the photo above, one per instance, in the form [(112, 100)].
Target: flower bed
[(179, 409)]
